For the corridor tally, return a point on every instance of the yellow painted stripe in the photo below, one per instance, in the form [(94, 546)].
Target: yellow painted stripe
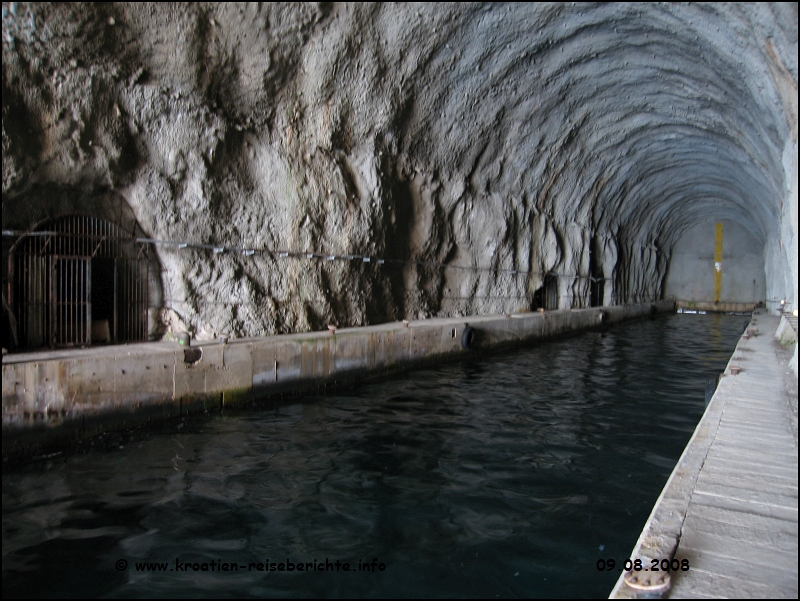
[(718, 264)]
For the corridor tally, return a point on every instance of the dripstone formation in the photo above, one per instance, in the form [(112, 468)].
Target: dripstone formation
[(574, 140)]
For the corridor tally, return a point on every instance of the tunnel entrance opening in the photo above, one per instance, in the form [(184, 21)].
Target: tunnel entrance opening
[(596, 279), (546, 296), (75, 281), (597, 291), (596, 285)]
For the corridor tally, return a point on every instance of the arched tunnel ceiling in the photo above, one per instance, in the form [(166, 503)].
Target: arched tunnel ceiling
[(522, 136), (638, 98)]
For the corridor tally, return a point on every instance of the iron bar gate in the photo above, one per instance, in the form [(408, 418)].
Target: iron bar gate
[(77, 281)]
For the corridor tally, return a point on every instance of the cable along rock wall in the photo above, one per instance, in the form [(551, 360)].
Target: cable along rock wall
[(572, 140)]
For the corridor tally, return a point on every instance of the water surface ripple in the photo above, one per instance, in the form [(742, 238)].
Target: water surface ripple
[(505, 475)]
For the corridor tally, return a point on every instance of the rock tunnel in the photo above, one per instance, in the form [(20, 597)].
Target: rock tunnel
[(497, 158), (218, 171)]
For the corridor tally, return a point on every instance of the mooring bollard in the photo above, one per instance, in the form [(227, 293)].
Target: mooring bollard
[(648, 585)]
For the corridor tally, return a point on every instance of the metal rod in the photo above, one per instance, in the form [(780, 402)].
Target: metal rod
[(116, 302), (87, 288), (79, 292), (123, 326), (24, 311), (68, 307), (63, 267), (131, 329), (121, 297), (73, 305), (137, 306), (138, 301), (33, 321), (68, 296), (73, 297), (88, 308), (146, 274), (143, 309), (65, 306), (41, 300), (71, 283), (24, 280), (9, 294), (56, 308), (28, 287), (78, 298), (131, 300), (53, 300)]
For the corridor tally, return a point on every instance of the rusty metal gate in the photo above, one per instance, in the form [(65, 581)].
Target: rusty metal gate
[(76, 281)]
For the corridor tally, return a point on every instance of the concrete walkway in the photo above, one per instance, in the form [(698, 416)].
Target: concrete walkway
[(730, 506), (53, 398)]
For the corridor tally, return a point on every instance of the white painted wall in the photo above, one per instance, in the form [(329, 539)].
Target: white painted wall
[(690, 276)]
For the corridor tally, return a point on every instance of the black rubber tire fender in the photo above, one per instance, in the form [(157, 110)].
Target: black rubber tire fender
[(468, 338)]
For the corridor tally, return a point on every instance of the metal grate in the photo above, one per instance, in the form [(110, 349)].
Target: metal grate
[(79, 280)]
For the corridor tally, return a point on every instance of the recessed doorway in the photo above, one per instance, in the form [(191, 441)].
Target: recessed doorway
[(77, 281)]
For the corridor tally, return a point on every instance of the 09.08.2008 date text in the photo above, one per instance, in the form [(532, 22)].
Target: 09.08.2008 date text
[(636, 565)]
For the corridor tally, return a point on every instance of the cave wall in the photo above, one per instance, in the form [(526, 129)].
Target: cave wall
[(576, 140)]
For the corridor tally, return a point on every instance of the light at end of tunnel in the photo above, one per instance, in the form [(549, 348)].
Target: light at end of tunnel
[(718, 263)]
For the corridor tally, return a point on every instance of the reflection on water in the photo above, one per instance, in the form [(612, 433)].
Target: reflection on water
[(505, 475)]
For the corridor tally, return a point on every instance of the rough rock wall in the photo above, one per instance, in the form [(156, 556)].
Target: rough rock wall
[(579, 140)]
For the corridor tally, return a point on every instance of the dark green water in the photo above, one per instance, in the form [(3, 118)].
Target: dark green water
[(509, 475)]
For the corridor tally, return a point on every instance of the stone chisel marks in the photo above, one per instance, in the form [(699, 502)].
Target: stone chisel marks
[(730, 506)]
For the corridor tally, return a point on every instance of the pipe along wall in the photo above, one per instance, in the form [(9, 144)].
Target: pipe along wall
[(51, 400)]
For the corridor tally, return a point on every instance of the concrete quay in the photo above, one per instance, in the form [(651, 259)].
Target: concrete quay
[(730, 505), (712, 307), (53, 397)]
